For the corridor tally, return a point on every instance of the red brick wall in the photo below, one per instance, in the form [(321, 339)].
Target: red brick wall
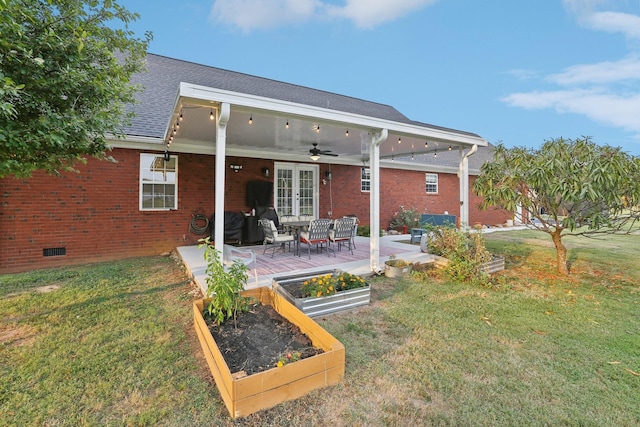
[(94, 214)]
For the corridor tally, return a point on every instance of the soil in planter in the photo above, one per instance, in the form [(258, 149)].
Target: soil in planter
[(294, 289), (259, 339)]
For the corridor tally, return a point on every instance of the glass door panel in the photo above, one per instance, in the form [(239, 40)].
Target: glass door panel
[(296, 189)]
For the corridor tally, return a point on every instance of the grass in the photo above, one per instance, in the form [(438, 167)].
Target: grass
[(112, 344)]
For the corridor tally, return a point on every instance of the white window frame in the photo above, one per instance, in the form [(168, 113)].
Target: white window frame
[(433, 183), (159, 177), (365, 182)]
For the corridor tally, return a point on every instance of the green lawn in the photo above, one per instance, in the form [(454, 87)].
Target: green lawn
[(112, 344)]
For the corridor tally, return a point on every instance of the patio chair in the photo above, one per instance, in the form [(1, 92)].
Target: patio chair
[(244, 255), (317, 234), (355, 229), (342, 232), (272, 237)]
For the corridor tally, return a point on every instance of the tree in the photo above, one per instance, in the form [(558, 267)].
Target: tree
[(567, 187), (65, 67)]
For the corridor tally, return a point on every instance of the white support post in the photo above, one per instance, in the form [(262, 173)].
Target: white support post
[(221, 148), (463, 176), (377, 138)]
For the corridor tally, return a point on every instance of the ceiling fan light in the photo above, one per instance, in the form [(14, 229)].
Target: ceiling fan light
[(314, 157)]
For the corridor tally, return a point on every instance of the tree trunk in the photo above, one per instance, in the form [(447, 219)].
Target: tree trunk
[(561, 254)]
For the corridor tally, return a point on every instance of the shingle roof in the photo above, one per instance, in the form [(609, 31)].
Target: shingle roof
[(163, 76)]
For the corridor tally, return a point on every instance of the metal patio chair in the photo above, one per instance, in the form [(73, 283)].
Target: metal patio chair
[(318, 234), (342, 232), (273, 237)]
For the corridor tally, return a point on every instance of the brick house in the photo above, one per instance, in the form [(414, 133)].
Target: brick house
[(252, 138)]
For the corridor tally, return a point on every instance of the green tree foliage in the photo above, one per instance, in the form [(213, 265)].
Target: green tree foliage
[(65, 67), (567, 187)]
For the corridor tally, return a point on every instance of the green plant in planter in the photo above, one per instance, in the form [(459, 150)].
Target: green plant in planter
[(409, 218), (329, 284), (224, 286), (397, 262), (466, 253)]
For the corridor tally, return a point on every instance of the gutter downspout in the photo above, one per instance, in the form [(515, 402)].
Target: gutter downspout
[(463, 175), (221, 148), (377, 138)]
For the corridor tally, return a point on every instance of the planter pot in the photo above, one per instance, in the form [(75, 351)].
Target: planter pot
[(244, 395), (318, 306), (495, 265), (395, 272)]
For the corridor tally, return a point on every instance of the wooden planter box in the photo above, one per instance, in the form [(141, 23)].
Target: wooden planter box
[(395, 272), (318, 306), (248, 394), (493, 266)]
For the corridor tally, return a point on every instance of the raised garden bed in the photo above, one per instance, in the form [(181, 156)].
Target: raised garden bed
[(244, 395), (493, 266), (287, 287)]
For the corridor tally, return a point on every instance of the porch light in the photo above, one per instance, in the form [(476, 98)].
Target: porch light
[(235, 168), (265, 172), (212, 116), (314, 157)]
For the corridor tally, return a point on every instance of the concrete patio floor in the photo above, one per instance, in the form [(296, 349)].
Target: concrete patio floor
[(287, 263)]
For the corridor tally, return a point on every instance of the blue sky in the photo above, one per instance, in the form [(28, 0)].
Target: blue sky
[(517, 72)]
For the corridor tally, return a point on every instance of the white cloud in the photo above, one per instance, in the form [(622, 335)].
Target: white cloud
[(369, 13), (600, 73), (615, 22), (263, 14), (607, 108)]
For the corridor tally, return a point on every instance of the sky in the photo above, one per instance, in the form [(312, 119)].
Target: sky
[(513, 72)]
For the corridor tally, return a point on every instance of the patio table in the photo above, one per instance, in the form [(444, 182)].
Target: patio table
[(294, 227)]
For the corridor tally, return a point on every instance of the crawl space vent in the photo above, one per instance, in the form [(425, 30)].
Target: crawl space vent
[(54, 251)]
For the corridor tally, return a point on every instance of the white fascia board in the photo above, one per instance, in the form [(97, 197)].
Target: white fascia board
[(208, 96)]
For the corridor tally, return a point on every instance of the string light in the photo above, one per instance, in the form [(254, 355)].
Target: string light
[(318, 129), (178, 124), (212, 116), (399, 140), (449, 148), (435, 153), (426, 144), (287, 125), (180, 118), (251, 119), (347, 133), (411, 156)]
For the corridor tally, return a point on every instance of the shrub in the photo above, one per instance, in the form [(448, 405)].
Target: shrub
[(466, 253), (406, 218)]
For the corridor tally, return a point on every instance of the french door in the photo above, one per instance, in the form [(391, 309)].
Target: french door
[(296, 189)]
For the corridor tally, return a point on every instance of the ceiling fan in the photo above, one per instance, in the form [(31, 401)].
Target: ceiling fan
[(316, 152)]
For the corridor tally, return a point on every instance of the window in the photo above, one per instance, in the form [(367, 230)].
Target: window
[(432, 183), (158, 182), (365, 180)]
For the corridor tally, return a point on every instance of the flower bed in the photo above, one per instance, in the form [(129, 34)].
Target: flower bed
[(244, 395), (324, 300)]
